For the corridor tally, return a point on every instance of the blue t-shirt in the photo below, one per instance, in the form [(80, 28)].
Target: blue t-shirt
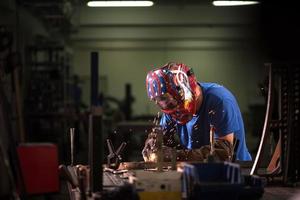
[(219, 108)]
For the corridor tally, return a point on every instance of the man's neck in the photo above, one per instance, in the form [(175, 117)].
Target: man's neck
[(199, 97)]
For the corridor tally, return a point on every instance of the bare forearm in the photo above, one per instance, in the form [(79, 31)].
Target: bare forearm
[(229, 137)]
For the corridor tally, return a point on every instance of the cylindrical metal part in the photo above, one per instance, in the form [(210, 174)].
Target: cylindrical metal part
[(72, 130)]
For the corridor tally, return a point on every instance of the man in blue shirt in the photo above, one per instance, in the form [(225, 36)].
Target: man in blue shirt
[(191, 112)]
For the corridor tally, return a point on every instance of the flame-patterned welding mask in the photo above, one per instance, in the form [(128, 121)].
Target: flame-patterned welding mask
[(172, 87)]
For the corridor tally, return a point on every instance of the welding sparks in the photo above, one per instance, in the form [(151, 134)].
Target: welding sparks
[(156, 119), (212, 112), (196, 127), (170, 141), (172, 130)]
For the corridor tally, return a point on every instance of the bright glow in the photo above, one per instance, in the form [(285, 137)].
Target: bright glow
[(153, 157), (234, 3), (120, 3)]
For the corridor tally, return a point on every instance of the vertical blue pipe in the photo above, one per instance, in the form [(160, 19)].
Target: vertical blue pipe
[(95, 131)]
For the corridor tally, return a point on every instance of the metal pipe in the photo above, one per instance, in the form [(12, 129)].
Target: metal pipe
[(72, 130), (266, 125), (95, 131)]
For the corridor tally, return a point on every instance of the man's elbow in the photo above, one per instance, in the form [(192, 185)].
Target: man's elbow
[(229, 137)]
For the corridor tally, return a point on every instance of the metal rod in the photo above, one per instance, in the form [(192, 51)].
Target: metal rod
[(160, 158), (72, 130), (95, 131), (211, 139), (121, 148), (110, 146), (91, 138), (266, 125)]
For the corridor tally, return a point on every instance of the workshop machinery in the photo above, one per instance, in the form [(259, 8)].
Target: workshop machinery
[(149, 180), (281, 125), (210, 179), (157, 179)]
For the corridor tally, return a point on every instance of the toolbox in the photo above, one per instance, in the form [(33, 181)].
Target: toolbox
[(219, 180)]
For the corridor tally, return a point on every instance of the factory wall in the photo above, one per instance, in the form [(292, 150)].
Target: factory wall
[(234, 69), (222, 45)]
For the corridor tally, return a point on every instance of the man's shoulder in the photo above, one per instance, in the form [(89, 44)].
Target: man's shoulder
[(217, 95), (215, 90), (209, 85)]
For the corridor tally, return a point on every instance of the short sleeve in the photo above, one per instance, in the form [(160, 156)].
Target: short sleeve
[(225, 118)]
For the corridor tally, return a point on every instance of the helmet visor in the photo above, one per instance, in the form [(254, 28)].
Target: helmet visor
[(166, 102)]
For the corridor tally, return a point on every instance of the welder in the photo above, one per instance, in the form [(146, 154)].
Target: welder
[(191, 110)]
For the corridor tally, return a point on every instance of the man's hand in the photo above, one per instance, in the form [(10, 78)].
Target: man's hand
[(150, 147), (151, 155), (223, 151)]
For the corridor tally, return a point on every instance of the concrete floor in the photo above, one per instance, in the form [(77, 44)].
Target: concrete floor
[(281, 193)]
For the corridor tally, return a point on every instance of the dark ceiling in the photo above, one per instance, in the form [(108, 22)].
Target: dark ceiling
[(279, 22)]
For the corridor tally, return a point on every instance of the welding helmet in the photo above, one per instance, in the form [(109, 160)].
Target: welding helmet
[(172, 87)]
